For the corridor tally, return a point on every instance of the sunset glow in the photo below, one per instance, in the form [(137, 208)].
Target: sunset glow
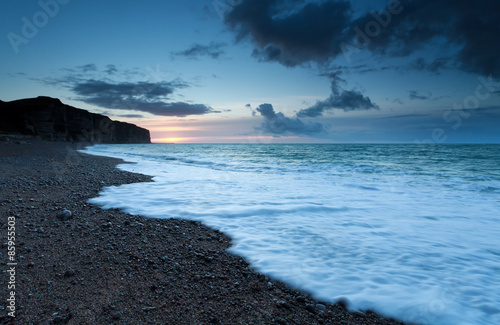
[(167, 140)]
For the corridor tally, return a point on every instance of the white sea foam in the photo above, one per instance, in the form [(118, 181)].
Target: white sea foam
[(411, 232)]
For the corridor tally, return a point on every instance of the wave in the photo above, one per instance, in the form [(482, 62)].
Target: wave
[(365, 224)]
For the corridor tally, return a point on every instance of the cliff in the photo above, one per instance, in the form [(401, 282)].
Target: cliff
[(52, 120)]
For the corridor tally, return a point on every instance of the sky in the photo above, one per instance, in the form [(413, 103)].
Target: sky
[(264, 71)]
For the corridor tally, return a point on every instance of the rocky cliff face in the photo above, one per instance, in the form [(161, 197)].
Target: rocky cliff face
[(52, 120)]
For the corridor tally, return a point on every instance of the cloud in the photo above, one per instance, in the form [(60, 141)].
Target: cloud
[(416, 95), (469, 29), (427, 95), (131, 115), (87, 67), (160, 108), (346, 100), (143, 96), (147, 90), (405, 116), (278, 124), (212, 50), (301, 32), (298, 33), (291, 32), (438, 64), (139, 96), (111, 69)]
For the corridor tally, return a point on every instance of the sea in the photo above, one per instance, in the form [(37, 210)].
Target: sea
[(411, 231)]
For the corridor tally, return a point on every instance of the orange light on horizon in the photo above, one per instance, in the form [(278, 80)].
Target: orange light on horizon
[(167, 140), (227, 139)]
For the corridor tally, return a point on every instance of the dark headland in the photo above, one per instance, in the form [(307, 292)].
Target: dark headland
[(95, 266), (49, 119)]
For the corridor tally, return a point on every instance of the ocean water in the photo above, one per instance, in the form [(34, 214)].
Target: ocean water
[(410, 231)]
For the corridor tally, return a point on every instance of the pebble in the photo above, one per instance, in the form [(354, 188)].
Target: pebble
[(300, 299), (284, 304), (359, 313), (320, 307), (116, 315), (65, 215), (69, 273), (310, 308)]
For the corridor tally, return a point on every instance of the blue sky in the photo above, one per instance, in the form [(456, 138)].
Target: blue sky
[(264, 70)]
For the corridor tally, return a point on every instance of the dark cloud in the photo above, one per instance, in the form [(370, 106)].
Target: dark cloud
[(346, 100), (469, 29), (148, 90), (278, 124), (212, 50), (160, 108), (300, 32), (291, 32), (139, 96), (142, 96), (267, 110), (478, 33)]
